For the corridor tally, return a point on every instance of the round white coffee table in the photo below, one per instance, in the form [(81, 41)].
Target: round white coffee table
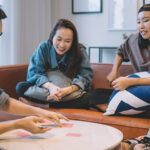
[(74, 135)]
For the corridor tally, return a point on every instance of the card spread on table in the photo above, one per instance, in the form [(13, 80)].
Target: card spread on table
[(67, 125), (22, 134), (74, 134)]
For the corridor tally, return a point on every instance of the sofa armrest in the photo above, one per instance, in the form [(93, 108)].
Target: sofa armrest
[(10, 76)]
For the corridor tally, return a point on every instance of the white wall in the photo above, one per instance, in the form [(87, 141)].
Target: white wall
[(28, 23), (92, 28)]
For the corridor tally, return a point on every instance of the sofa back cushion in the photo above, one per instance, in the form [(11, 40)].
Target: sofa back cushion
[(12, 74), (102, 70)]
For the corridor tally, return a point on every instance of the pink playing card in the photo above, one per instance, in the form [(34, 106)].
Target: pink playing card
[(74, 134), (67, 125), (22, 134)]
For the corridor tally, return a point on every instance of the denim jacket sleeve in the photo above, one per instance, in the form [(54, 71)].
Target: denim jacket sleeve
[(38, 65), (3, 98), (85, 76)]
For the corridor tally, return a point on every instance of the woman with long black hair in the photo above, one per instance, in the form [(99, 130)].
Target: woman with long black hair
[(63, 53)]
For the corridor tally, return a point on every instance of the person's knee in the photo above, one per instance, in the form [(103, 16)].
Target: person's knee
[(139, 147), (21, 87)]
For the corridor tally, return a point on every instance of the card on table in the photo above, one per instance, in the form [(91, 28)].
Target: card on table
[(74, 134), (67, 125), (22, 134)]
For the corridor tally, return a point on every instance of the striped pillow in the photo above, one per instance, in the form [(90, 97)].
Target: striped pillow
[(133, 100)]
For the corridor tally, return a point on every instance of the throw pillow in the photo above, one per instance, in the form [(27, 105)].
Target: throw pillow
[(59, 79), (133, 100)]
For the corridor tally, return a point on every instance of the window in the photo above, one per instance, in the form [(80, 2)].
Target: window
[(1, 1)]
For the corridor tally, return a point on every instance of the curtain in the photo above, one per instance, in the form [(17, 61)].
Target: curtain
[(27, 24)]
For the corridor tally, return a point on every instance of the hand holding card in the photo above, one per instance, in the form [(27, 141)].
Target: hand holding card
[(47, 124)]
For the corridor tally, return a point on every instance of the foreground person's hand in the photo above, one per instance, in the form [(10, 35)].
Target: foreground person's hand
[(30, 124), (52, 116)]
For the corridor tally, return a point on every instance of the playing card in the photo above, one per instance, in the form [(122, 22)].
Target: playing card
[(74, 134)]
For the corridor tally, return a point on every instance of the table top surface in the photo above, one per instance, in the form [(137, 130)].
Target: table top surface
[(74, 135)]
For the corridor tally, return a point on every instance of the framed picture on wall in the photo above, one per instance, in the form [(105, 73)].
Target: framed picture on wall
[(86, 6), (146, 1)]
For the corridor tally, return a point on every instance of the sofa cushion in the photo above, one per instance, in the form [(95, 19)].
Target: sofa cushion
[(133, 100)]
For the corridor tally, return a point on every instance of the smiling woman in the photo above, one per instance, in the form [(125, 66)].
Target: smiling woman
[(137, 50), (61, 54)]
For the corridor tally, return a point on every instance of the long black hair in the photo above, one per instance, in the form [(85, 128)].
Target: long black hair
[(143, 43), (74, 56), (2, 13)]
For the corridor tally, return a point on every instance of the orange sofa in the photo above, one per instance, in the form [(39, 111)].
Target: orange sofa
[(130, 126)]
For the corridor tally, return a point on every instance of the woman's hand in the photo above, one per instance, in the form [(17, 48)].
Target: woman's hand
[(30, 124), (59, 94), (113, 74), (53, 89), (63, 92), (121, 83), (111, 77)]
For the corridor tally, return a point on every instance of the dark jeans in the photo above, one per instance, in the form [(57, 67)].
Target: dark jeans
[(82, 102), (89, 99), (100, 96), (21, 87)]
